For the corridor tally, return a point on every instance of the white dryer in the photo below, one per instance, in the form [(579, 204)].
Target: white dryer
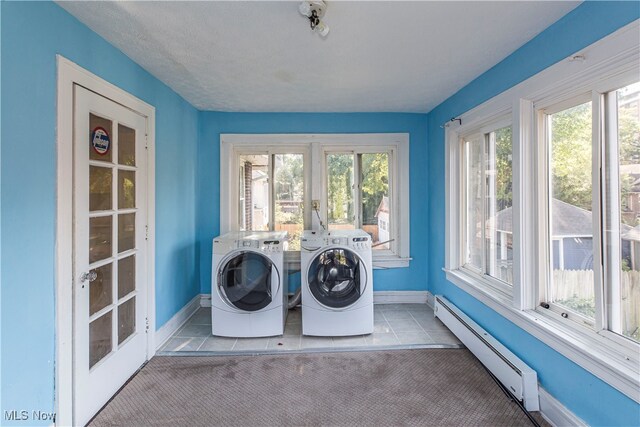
[(337, 283), (249, 284)]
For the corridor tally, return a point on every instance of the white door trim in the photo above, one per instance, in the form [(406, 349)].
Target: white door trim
[(69, 74)]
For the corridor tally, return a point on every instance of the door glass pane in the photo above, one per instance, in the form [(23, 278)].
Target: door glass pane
[(376, 215), (126, 189), (126, 319), (289, 196), (570, 219), (498, 214), (126, 146), (254, 192), (340, 197), (100, 232), (126, 232), (625, 312), (100, 138), (100, 338), (126, 276), (100, 188), (473, 148), (100, 289)]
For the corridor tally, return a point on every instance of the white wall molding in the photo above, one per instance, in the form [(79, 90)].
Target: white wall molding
[(555, 412), (431, 300), (205, 300), (180, 318), (400, 297)]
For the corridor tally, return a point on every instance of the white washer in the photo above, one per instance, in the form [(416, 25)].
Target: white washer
[(337, 283), (249, 284)]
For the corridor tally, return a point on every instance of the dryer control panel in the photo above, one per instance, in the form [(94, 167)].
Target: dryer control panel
[(361, 242), (269, 242), (274, 245), (271, 246), (313, 240)]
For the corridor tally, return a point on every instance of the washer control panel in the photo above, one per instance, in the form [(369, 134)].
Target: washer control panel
[(274, 246), (315, 241), (361, 243)]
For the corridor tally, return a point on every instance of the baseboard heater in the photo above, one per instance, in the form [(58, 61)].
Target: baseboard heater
[(512, 372)]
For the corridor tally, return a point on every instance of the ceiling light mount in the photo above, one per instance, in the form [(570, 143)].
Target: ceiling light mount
[(314, 11)]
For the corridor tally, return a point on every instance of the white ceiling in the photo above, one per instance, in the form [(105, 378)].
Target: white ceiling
[(262, 56)]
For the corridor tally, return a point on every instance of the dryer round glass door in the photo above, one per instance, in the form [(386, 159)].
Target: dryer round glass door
[(245, 281), (336, 277)]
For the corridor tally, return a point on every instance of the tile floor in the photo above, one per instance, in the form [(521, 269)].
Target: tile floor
[(395, 326)]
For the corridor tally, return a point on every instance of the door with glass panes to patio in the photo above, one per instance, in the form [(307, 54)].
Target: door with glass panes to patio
[(110, 215)]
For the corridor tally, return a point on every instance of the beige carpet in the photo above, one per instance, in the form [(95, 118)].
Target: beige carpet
[(384, 388)]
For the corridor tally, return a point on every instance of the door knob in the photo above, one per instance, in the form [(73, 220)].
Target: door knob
[(90, 276)]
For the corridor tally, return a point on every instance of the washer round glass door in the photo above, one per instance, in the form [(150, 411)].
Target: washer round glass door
[(244, 280), (335, 278)]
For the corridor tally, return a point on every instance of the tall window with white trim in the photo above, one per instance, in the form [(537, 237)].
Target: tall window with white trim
[(488, 200), (358, 194), (571, 280), (622, 211), (607, 298), (271, 193)]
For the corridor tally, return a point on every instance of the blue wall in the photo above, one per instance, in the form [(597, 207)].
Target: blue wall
[(32, 35), (187, 192), (212, 124), (585, 395)]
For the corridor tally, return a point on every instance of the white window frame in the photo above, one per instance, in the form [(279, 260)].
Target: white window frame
[(317, 145), (355, 151), (543, 112), (593, 70), (496, 285), (270, 151)]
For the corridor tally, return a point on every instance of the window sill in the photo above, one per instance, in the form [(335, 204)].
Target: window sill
[(380, 262), (608, 360), (383, 262)]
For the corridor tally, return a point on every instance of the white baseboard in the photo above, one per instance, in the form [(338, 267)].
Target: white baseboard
[(555, 412), (430, 300), (400, 297), (176, 322), (205, 300)]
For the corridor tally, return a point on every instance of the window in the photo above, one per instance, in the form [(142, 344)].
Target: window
[(574, 232), (271, 194), (570, 286), (543, 207), (358, 194), (622, 211), (487, 187), (271, 182)]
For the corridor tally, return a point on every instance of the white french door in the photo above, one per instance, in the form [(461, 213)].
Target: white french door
[(110, 251)]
